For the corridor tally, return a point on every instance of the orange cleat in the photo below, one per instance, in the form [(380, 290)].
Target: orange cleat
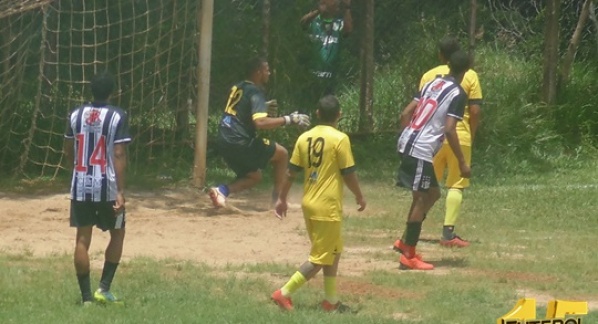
[(403, 248), (338, 307), (283, 302), (455, 242), (414, 264)]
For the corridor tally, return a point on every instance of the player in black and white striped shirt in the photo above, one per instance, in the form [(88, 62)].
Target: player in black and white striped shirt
[(97, 134), (441, 105)]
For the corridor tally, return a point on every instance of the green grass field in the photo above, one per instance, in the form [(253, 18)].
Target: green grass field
[(532, 237)]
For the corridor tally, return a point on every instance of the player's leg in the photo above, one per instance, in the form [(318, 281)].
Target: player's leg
[(241, 160), (419, 176), (335, 243), (115, 223), (81, 218), (454, 199), (282, 296)]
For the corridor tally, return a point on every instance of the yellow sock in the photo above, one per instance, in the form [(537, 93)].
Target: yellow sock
[(330, 289), (454, 197), (296, 281)]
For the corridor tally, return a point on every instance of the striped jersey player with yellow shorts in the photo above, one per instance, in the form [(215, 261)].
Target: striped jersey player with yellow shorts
[(324, 155), (445, 160)]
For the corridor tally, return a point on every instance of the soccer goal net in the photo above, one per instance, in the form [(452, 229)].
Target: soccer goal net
[(49, 50)]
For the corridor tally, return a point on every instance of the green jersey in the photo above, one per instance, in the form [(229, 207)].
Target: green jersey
[(325, 34)]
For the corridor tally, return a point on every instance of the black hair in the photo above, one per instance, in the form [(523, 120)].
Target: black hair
[(447, 46), (253, 65), (329, 108), (459, 62), (102, 85)]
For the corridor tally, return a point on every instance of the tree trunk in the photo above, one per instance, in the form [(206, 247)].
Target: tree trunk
[(574, 43), (366, 98), (594, 20), (472, 28), (265, 28), (551, 49)]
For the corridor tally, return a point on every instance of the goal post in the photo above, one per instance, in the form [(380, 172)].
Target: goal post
[(49, 50)]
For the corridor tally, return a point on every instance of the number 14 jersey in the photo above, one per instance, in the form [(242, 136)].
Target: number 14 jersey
[(95, 129), (424, 135)]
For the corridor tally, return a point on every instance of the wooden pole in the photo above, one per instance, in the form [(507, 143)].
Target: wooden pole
[(206, 16), (366, 96)]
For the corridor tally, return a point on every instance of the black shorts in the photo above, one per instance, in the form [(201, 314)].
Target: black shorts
[(243, 159), (416, 174), (100, 214)]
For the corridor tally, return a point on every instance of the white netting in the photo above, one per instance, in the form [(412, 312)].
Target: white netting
[(50, 49)]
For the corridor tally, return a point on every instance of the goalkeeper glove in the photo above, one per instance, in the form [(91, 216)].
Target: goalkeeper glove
[(272, 107), (296, 118)]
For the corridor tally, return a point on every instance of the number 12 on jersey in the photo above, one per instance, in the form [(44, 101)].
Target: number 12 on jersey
[(97, 156)]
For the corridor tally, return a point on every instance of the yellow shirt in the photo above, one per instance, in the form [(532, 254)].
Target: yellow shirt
[(324, 154), (471, 85)]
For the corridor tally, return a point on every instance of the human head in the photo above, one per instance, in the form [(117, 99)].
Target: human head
[(329, 109), (329, 7), (257, 70), (446, 47), (459, 63), (102, 85)]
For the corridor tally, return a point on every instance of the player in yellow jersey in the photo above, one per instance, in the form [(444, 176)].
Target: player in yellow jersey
[(324, 154), (445, 159)]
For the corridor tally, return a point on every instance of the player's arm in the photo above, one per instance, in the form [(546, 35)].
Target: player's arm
[(308, 17), (347, 18), (120, 165), (350, 179), (281, 207), (68, 150), (474, 119), (261, 120), (407, 114), (455, 114), (475, 104)]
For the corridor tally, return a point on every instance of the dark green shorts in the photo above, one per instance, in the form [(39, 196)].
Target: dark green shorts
[(243, 159)]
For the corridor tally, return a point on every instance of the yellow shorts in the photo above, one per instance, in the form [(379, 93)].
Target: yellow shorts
[(446, 160), (326, 240)]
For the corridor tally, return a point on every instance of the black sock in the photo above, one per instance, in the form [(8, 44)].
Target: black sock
[(85, 287), (412, 233), (448, 232), (108, 275)]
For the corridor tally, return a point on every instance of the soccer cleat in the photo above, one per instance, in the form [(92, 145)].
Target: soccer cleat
[(414, 264), (87, 303), (338, 307), (285, 303), (218, 198), (403, 248), (106, 297), (455, 242)]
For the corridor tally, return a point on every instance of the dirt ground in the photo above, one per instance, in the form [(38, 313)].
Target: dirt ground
[(179, 224)]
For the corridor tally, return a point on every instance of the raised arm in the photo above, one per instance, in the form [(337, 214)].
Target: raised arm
[(347, 18)]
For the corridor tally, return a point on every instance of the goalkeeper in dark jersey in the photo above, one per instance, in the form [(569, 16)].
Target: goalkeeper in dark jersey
[(243, 151)]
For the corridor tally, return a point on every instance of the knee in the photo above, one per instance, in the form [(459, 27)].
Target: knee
[(255, 177), (280, 154)]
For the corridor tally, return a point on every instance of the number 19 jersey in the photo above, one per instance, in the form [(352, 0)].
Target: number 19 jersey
[(95, 129), (424, 135), (324, 154)]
